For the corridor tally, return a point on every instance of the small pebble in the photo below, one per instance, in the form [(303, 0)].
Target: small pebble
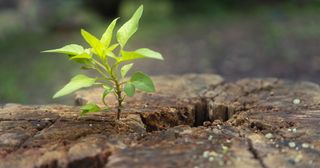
[(46, 119), (210, 137), (199, 142), (170, 109), (269, 136), (305, 145), (205, 154), (90, 125), (296, 101), (277, 145), (207, 123), (213, 153), (294, 130), (211, 159), (38, 125), (292, 144), (289, 129), (219, 126)]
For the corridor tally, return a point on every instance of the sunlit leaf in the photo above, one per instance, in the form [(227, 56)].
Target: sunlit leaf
[(96, 44), (77, 82), (81, 56), (142, 82), (111, 55), (129, 89), (112, 47), (72, 49), (148, 53), (125, 69), (138, 54), (129, 28), (107, 35), (88, 108)]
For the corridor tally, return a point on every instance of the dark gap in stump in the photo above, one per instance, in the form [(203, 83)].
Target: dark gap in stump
[(208, 110), (94, 161), (201, 113), (202, 110), (219, 111)]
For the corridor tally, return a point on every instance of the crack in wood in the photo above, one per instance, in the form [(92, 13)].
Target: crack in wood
[(255, 153), (23, 144)]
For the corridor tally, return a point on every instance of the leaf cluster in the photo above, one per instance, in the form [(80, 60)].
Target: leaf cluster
[(110, 61)]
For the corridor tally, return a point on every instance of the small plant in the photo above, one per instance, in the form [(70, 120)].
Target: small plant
[(101, 57)]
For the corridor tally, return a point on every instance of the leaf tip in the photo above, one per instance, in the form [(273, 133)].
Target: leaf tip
[(55, 96), (141, 7)]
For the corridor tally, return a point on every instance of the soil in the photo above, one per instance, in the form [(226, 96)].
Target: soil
[(191, 121)]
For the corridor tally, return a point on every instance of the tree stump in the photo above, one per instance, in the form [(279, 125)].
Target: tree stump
[(191, 121)]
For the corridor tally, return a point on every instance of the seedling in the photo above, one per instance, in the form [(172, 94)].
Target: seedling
[(101, 57)]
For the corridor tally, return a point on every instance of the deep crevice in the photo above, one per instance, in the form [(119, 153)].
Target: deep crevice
[(23, 144), (97, 161), (255, 153), (201, 111)]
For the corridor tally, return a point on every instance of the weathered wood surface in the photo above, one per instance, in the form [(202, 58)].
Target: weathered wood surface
[(253, 123)]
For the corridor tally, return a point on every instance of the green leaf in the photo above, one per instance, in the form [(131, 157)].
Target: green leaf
[(107, 35), (72, 49), (77, 82), (142, 82), (148, 53), (112, 55), (88, 108), (112, 47), (129, 89), (109, 52), (81, 56), (93, 42), (129, 28), (125, 69), (140, 53), (107, 90)]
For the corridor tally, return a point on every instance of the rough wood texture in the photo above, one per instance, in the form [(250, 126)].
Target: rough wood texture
[(253, 123)]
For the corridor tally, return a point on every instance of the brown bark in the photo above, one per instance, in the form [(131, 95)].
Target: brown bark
[(192, 121)]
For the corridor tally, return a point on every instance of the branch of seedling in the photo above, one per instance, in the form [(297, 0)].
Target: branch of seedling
[(112, 79), (97, 57)]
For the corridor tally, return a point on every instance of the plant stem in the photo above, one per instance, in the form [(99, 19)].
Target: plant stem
[(119, 98), (118, 92)]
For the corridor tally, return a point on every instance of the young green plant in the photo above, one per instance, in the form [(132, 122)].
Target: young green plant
[(101, 57)]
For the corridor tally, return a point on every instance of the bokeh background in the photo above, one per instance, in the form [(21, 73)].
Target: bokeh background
[(236, 39)]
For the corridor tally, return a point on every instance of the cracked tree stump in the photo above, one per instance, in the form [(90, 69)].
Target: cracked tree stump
[(192, 121)]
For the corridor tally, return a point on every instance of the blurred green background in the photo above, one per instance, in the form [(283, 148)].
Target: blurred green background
[(248, 38)]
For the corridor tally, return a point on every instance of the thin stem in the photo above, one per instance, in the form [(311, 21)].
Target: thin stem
[(124, 82), (106, 68), (104, 102), (113, 77), (118, 92), (105, 76)]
